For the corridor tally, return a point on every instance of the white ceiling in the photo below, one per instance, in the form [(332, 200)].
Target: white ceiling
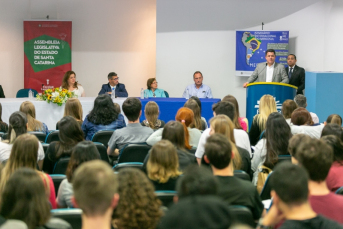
[(204, 15)]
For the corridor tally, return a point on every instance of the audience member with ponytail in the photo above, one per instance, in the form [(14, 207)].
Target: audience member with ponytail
[(17, 127), (151, 112), (24, 154), (192, 135), (198, 122), (33, 124)]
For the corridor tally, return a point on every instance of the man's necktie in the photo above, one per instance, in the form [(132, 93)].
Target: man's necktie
[(290, 73)]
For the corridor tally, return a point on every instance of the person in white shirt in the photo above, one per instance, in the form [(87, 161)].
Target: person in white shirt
[(197, 89), (241, 137), (69, 82), (301, 101)]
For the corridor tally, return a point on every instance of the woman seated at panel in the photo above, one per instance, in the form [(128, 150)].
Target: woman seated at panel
[(275, 143), (24, 154), (84, 151), (302, 124), (152, 90), (192, 135), (73, 108), (266, 107), (151, 112), (69, 134), (25, 198), (69, 82), (240, 122), (3, 125), (103, 116), (33, 124), (163, 166), (287, 109), (18, 126), (198, 122)]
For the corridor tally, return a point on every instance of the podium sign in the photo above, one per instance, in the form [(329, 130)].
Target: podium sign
[(280, 92)]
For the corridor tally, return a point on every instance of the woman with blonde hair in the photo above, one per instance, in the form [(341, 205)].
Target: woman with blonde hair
[(151, 112), (198, 122), (33, 124), (73, 108), (334, 119), (223, 125), (192, 135), (69, 83), (267, 106), (163, 165), (138, 206), (24, 154)]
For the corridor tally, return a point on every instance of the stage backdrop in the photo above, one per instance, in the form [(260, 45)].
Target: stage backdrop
[(251, 48), (47, 53)]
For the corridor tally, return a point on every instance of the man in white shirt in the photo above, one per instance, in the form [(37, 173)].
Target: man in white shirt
[(241, 137), (269, 71), (301, 101)]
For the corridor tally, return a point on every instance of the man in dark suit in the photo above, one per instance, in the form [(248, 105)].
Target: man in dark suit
[(295, 73), (2, 94), (113, 84)]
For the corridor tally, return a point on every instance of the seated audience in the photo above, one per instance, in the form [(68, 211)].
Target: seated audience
[(174, 132), (69, 134), (198, 122), (222, 124), (303, 124), (287, 109), (96, 193), (275, 143), (69, 83), (334, 119), (134, 132), (334, 180), (33, 124), (24, 154), (84, 151), (266, 107), (114, 85), (235, 191), (316, 157), (294, 143), (332, 129), (241, 137), (3, 125), (197, 204), (163, 165), (153, 91), (301, 101), (196, 99), (18, 126), (73, 108), (290, 192), (138, 206), (24, 198), (103, 116), (151, 112), (240, 123), (192, 135)]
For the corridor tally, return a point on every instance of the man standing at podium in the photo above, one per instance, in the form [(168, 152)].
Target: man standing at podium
[(268, 71), (296, 74)]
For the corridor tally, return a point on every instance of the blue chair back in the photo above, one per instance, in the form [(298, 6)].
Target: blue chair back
[(265, 193), (61, 165), (242, 215), (242, 174), (166, 93), (72, 216), (24, 93), (52, 136), (166, 197), (102, 151), (40, 135), (119, 166), (57, 179), (102, 136), (134, 153)]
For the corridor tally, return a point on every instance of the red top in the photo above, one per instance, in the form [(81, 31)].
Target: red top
[(334, 180), (329, 205)]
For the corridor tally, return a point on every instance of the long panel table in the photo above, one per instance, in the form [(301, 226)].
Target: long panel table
[(50, 114)]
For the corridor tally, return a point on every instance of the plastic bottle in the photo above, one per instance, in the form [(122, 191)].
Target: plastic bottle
[(187, 94), (113, 95), (142, 93), (30, 94)]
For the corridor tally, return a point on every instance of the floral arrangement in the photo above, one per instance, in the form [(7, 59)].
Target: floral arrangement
[(56, 95)]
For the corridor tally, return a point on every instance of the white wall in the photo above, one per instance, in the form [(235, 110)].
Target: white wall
[(108, 35), (314, 38)]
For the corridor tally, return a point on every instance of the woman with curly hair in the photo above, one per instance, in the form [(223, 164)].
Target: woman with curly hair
[(138, 206), (84, 151), (163, 166), (103, 116)]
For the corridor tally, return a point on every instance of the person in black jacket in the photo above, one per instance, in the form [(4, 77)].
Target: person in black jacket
[(113, 84), (2, 94), (295, 73)]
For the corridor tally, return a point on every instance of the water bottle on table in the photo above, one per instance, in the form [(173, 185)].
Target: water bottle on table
[(142, 93), (187, 94), (30, 94), (113, 95)]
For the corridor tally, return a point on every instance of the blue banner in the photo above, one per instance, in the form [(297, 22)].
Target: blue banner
[(251, 48)]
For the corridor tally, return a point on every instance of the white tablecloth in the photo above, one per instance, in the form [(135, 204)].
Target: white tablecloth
[(51, 113)]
